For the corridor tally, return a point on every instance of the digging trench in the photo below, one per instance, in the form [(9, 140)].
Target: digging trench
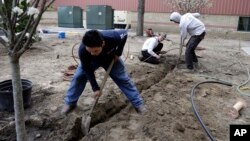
[(114, 103), (69, 127)]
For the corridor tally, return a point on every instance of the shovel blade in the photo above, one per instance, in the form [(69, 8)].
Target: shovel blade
[(86, 125)]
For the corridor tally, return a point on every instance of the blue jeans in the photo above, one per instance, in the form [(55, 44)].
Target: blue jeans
[(117, 73)]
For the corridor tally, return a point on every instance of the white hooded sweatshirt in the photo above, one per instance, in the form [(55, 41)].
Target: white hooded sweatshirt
[(188, 24)]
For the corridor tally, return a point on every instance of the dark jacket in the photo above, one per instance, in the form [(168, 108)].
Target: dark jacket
[(114, 44)]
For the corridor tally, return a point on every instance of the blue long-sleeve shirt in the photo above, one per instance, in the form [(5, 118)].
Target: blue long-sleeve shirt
[(114, 44)]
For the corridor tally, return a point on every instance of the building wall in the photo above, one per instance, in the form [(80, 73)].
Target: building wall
[(220, 7), (216, 25), (224, 15), (229, 7), (161, 21)]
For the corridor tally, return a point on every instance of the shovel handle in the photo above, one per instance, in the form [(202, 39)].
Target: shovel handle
[(106, 75), (103, 83), (179, 57)]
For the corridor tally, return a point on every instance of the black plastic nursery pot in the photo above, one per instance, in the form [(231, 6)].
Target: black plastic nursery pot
[(6, 95)]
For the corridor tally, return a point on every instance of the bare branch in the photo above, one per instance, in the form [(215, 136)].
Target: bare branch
[(185, 6), (3, 42), (27, 27), (6, 14), (14, 15), (48, 5), (14, 3), (37, 20), (33, 30), (35, 4), (20, 38)]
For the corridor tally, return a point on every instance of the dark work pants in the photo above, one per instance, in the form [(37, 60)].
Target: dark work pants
[(190, 55), (146, 57)]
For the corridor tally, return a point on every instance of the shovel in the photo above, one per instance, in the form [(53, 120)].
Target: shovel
[(180, 53), (86, 121)]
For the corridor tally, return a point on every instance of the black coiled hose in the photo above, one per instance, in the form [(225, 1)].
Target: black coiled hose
[(195, 110)]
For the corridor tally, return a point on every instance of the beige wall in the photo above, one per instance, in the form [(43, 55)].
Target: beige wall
[(211, 21), (216, 25)]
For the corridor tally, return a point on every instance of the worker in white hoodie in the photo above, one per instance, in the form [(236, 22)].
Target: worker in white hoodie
[(189, 24), (151, 49)]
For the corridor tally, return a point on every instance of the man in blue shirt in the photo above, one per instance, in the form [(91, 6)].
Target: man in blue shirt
[(97, 50)]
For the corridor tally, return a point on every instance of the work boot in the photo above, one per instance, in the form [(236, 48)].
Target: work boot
[(141, 109), (140, 58), (67, 109), (187, 70), (162, 52), (197, 65)]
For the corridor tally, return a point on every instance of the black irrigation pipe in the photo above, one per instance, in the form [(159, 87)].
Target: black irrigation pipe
[(194, 107)]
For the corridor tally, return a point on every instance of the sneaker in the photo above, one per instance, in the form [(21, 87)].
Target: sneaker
[(140, 58), (67, 109), (162, 52), (187, 70), (197, 65), (141, 109)]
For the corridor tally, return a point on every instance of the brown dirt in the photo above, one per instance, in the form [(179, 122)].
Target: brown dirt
[(165, 89)]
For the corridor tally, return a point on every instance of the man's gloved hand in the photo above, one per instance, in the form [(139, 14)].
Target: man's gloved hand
[(97, 94)]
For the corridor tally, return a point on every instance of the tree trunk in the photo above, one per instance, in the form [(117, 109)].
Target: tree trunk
[(18, 99), (140, 17)]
